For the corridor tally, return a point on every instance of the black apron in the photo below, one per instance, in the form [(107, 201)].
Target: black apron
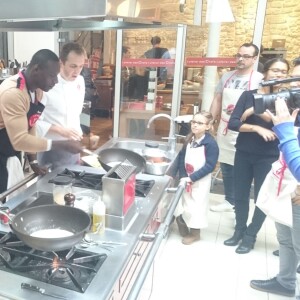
[(6, 148)]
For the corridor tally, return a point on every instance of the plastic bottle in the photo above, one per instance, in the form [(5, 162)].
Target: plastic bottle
[(98, 217)]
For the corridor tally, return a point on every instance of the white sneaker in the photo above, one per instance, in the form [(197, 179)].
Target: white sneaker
[(225, 206)]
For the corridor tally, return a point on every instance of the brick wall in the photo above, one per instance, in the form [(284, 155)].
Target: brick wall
[(282, 22)]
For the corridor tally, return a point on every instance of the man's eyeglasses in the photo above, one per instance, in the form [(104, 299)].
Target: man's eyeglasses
[(245, 56), (198, 123), (274, 70)]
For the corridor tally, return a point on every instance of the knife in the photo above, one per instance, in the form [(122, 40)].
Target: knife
[(42, 291)]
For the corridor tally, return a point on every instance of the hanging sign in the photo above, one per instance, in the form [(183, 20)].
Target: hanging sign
[(210, 61), (147, 62)]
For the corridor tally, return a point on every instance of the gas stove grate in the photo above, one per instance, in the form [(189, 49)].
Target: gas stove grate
[(72, 269), (94, 181)]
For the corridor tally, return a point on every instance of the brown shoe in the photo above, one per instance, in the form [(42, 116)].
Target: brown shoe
[(192, 237), (182, 227)]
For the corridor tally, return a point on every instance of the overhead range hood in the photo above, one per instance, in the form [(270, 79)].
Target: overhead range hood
[(67, 15)]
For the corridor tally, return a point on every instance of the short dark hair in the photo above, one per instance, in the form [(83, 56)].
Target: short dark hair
[(296, 61), (155, 40), (69, 47), (272, 61), (42, 57), (256, 50), (125, 49)]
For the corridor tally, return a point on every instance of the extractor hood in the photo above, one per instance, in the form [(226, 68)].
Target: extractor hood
[(51, 9), (68, 15)]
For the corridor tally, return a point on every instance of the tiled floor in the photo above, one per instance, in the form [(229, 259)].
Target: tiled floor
[(208, 269)]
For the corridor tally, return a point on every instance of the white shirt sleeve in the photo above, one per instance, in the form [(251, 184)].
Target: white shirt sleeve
[(42, 127)]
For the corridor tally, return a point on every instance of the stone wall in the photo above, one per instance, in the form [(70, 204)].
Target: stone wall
[(281, 22)]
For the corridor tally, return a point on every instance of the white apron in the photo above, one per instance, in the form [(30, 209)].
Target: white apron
[(15, 175), (193, 206), (227, 138), (275, 194)]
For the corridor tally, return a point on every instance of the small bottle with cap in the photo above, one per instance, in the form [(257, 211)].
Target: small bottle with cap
[(62, 185)]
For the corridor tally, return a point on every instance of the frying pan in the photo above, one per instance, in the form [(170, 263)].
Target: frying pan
[(109, 156), (33, 219)]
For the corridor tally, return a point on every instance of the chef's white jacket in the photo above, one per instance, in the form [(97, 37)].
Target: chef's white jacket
[(63, 106)]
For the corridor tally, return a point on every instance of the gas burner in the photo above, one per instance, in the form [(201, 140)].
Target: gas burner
[(82, 179), (94, 181), (72, 269), (61, 274)]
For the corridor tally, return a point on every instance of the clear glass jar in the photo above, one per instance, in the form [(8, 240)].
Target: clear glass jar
[(62, 185)]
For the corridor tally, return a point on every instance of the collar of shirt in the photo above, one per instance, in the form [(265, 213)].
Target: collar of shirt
[(196, 143)]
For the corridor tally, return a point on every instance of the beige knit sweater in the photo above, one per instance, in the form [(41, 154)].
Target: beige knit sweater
[(14, 105)]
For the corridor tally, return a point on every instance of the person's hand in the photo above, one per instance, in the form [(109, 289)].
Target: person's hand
[(296, 199), (247, 113), (282, 112), (70, 134), (186, 179), (39, 170), (266, 134), (67, 145)]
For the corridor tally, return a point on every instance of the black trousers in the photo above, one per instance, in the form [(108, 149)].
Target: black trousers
[(247, 168)]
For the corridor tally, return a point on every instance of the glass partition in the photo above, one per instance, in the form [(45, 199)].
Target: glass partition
[(146, 85)]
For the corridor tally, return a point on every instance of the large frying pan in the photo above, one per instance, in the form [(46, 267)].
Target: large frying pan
[(33, 219), (111, 156)]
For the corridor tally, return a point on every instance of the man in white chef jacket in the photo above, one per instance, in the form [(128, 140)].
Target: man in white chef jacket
[(60, 119), (230, 87)]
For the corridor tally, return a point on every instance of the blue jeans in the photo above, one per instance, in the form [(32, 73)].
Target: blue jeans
[(289, 250), (227, 175)]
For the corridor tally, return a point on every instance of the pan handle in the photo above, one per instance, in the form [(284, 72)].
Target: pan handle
[(5, 214), (17, 186)]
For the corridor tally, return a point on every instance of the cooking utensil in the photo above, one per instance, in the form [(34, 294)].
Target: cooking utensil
[(88, 239), (42, 291), (89, 152), (111, 156), (124, 169), (44, 217), (89, 243), (157, 168), (92, 159)]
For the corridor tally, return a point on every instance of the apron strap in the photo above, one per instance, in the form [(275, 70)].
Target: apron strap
[(280, 173), (225, 130)]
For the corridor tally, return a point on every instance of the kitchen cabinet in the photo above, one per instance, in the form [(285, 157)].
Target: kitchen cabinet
[(135, 263)]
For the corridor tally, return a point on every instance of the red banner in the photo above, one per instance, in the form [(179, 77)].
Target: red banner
[(210, 61), (147, 62)]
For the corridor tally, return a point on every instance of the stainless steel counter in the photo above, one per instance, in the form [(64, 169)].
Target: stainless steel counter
[(102, 284)]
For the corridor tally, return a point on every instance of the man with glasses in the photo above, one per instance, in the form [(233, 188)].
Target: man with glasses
[(228, 91), (289, 238)]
